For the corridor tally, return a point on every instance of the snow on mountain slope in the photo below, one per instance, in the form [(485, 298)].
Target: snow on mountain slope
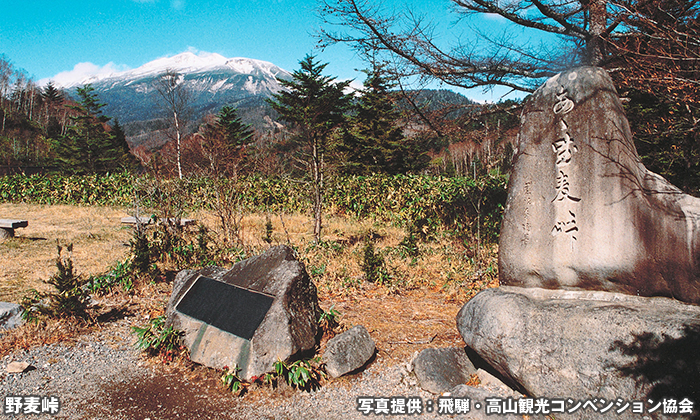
[(186, 63), (211, 80)]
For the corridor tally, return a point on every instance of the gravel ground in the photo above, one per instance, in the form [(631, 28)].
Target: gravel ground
[(103, 376)]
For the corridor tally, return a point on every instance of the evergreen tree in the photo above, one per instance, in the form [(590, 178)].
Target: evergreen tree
[(375, 143), (315, 105), (120, 149), (224, 142), (237, 133), (88, 146), (52, 95)]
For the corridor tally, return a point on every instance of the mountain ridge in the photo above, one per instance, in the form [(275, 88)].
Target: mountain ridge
[(187, 63), (211, 80)]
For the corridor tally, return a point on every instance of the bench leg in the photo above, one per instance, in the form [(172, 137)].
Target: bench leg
[(6, 233)]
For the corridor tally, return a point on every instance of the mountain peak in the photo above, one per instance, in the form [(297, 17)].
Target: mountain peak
[(185, 63)]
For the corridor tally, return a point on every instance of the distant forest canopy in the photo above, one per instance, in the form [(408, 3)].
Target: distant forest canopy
[(447, 133), (42, 130)]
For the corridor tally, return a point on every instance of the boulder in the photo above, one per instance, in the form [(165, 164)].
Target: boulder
[(587, 345), (490, 382), (582, 211), (348, 351), (439, 370), (10, 315), (262, 310)]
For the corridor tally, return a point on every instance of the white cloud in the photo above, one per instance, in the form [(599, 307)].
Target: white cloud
[(83, 71)]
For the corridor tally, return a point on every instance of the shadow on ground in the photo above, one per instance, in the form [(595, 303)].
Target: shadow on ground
[(670, 365), (165, 395)]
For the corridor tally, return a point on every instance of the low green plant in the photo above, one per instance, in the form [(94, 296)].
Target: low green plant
[(70, 298), (328, 320), (232, 381), (373, 264), (268, 230), (119, 275), (408, 247), (315, 271), (155, 338), (305, 374)]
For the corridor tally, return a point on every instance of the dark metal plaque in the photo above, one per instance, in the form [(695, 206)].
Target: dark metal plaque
[(225, 306)]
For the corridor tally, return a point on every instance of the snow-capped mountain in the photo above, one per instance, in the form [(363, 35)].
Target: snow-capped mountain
[(187, 63), (212, 81)]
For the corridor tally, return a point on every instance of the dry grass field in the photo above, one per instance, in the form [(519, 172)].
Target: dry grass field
[(29, 258), (414, 308)]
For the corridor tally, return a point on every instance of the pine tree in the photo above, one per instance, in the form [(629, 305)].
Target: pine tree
[(88, 146), (52, 95), (375, 142), (120, 150), (225, 141), (237, 133), (315, 105)]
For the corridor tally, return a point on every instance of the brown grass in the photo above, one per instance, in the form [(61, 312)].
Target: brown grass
[(415, 310), (98, 239)]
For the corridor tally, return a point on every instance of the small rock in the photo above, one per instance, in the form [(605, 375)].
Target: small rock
[(486, 379), (348, 351), (490, 382), (18, 367), (439, 370), (10, 315)]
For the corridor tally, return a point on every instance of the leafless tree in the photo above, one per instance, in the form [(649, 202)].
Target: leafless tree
[(584, 32), (175, 99)]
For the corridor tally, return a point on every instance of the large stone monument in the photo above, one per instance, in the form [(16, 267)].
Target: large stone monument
[(584, 216), (583, 212)]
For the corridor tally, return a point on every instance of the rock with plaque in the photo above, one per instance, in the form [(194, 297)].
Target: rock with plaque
[(263, 309)]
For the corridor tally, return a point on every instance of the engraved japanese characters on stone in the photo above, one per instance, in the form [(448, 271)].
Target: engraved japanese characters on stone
[(564, 149)]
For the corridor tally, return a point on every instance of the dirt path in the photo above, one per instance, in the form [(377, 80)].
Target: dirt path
[(103, 376)]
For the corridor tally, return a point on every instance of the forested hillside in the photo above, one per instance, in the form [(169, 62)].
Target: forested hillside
[(45, 129)]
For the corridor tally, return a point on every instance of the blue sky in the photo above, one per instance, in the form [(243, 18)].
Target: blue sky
[(46, 38)]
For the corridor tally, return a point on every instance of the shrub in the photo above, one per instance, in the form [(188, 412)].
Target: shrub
[(373, 264), (140, 251), (155, 338), (70, 298), (426, 202)]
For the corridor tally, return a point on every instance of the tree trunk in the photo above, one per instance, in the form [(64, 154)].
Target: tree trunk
[(179, 153), (318, 190), (597, 20)]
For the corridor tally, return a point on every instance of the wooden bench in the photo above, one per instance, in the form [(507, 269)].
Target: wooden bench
[(8, 226), (133, 221)]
